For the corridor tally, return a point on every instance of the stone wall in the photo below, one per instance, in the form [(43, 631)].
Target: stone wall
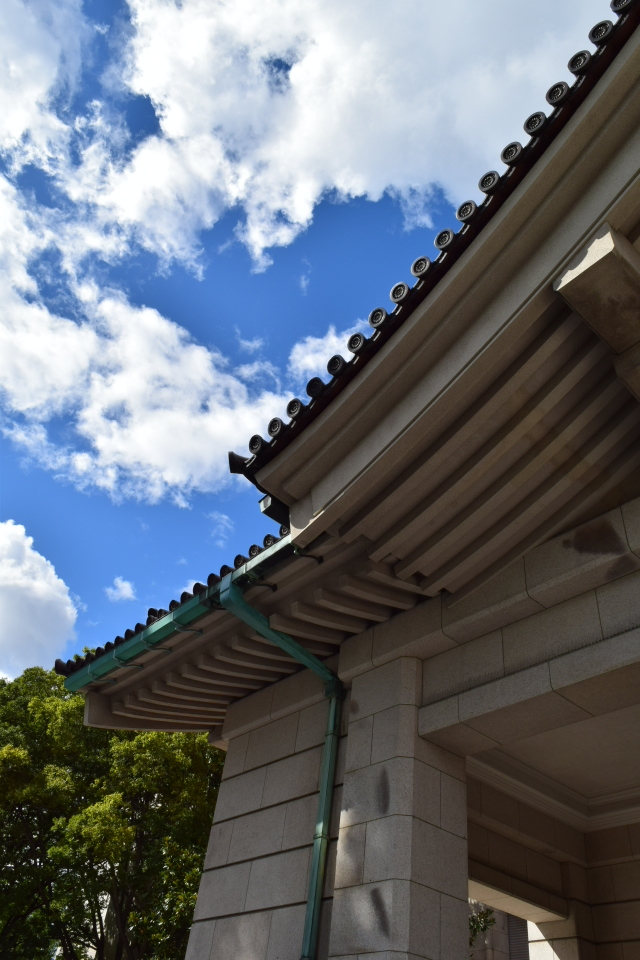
[(252, 898)]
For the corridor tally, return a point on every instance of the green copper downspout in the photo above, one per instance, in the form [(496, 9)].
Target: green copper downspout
[(232, 600)]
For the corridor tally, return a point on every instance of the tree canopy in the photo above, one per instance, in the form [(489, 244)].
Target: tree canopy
[(102, 833)]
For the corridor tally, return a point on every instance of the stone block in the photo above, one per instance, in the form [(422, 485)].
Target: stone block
[(619, 605), (478, 842), (501, 600), (240, 794), (544, 872), (454, 927), (218, 848), (609, 951), (341, 760), (453, 805), (248, 713), (396, 682), (474, 796), (312, 726), (245, 936), (234, 760), (601, 889), (610, 845), (336, 812), (578, 561), (330, 869), (595, 661), (537, 826), (426, 793), (298, 691), (461, 740), (631, 520), (505, 692), (359, 744), (350, 856), (388, 849), (551, 633), (425, 922), (438, 716), (285, 934), (506, 855), (413, 633), (467, 665), (300, 822), (611, 691), (272, 742), (497, 806), (278, 880), (383, 918), (634, 839), (257, 834), (222, 891), (631, 950), (626, 881), (570, 842), (293, 777), (617, 921), (395, 733), (200, 940), (355, 655), (405, 848), (401, 786), (440, 759), (528, 718), (575, 884)]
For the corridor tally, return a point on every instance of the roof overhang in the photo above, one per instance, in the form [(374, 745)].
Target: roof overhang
[(391, 458)]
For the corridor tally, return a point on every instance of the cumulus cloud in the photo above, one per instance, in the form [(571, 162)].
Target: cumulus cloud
[(264, 107), (40, 58), (152, 412), (121, 590), (268, 105), (38, 614), (309, 357)]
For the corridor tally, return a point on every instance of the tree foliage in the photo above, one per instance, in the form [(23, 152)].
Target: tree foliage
[(479, 922), (102, 833)]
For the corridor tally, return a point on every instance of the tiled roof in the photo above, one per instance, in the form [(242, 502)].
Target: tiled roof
[(153, 614), (542, 129)]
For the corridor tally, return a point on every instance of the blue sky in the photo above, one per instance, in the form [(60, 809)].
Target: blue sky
[(198, 202)]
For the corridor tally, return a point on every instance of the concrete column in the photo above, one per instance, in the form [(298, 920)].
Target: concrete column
[(401, 868)]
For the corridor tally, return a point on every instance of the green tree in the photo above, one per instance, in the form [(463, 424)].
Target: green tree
[(479, 922), (102, 833)]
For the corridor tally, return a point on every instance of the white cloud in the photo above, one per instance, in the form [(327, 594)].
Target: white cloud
[(38, 614), (40, 57), (295, 100), (121, 590), (309, 357), (222, 527), (151, 412), (249, 346), (265, 107)]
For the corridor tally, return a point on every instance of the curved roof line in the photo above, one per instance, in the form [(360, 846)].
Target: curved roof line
[(588, 68)]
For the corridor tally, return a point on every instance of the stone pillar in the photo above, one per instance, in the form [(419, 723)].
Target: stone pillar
[(401, 870)]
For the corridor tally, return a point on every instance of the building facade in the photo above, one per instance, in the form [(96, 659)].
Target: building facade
[(456, 585)]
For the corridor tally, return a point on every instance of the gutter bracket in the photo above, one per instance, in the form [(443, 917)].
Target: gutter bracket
[(232, 600)]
